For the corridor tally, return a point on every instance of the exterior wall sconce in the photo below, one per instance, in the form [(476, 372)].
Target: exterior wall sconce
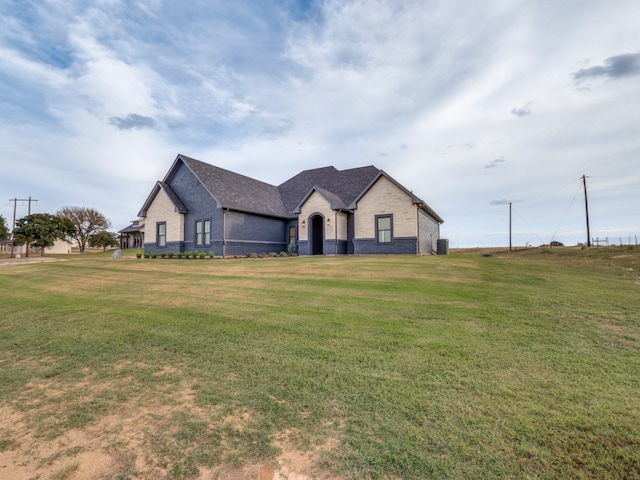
[(304, 224), (328, 222)]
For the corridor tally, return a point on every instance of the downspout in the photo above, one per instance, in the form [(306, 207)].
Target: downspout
[(418, 229), (224, 242), (353, 233), (335, 226)]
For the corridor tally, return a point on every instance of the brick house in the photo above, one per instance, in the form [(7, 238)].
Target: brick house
[(200, 207)]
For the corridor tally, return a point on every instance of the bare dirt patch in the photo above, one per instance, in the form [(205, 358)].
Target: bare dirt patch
[(122, 442)]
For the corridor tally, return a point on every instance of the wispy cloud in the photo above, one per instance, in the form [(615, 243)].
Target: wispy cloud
[(523, 111), (618, 66), (495, 162), (132, 121)]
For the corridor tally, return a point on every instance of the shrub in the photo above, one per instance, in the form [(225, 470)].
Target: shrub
[(252, 255), (170, 254), (154, 255), (211, 254), (201, 255), (138, 255), (163, 254), (284, 254), (273, 254), (291, 248), (146, 255)]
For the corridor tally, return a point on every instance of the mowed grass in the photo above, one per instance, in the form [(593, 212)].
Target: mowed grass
[(521, 365)]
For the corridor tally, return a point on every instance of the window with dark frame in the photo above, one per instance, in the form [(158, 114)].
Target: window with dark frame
[(162, 234), (207, 232), (199, 229), (292, 235), (383, 229), (203, 232)]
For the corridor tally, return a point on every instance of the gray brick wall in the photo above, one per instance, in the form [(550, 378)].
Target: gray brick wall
[(399, 245)]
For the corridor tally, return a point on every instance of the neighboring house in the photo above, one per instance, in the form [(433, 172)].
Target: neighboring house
[(59, 247), (132, 236), (363, 210), (6, 247)]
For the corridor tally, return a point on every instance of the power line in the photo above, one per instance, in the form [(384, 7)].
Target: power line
[(529, 226), (586, 208), (15, 205), (565, 215)]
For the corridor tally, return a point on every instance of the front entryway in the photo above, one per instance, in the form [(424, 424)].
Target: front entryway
[(317, 235)]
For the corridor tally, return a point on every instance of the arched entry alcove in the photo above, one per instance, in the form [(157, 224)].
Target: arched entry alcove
[(317, 234)]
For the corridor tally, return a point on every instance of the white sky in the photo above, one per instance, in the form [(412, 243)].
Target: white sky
[(469, 104)]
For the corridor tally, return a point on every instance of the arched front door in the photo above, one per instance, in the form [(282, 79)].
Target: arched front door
[(317, 235)]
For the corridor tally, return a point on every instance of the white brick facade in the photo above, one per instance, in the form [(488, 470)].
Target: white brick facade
[(316, 203), (163, 210), (385, 198)]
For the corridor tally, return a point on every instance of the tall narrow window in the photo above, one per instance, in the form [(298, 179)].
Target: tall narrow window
[(292, 235), (207, 232), (383, 228), (199, 232), (203, 232), (162, 234)]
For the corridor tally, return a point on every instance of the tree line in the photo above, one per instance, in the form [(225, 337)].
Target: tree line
[(85, 225)]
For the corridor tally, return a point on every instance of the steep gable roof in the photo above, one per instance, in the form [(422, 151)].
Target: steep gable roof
[(414, 199), (335, 202), (346, 185), (234, 191), (166, 188)]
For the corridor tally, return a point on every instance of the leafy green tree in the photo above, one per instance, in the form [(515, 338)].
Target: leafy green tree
[(4, 230), (103, 239), (42, 230), (86, 221)]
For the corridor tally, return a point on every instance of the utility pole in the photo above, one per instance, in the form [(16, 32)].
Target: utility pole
[(15, 204), (586, 208), (509, 226)]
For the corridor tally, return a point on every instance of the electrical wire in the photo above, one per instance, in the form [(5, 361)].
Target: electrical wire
[(565, 214), (529, 226)]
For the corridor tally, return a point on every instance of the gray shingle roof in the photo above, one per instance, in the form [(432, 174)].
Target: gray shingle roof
[(344, 184), (132, 229), (342, 188), (236, 191), (177, 203)]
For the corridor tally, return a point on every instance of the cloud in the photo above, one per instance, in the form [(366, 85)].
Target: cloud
[(618, 66), (133, 121), (422, 92), (524, 111), (494, 163)]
